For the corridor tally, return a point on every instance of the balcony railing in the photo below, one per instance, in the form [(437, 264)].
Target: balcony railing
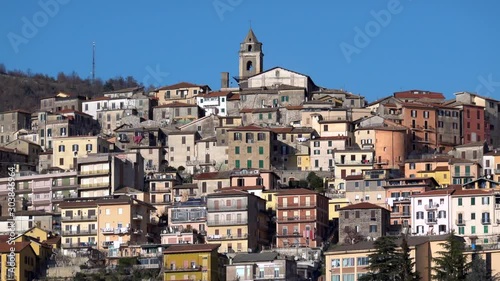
[(117, 230), (433, 206), (497, 171), (79, 245), (354, 163), (106, 244), (431, 221), (79, 218), (486, 221), (296, 219), (80, 232), (227, 237), (242, 207), (295, 205), (94, 185), (289, 234), (460, 222), (93, 172), (463, 175), (169, 268), (227, 222), (201, 163)]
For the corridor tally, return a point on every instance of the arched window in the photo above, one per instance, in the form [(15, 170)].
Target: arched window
[(249, 66), (277, 73), (249, 48)]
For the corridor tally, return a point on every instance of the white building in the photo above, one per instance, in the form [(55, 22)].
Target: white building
[(431, 212), (475, 215), (214, 102), (491, 165), (100, 104)]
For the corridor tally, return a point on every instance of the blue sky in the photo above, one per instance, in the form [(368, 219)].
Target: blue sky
[(445, 46)]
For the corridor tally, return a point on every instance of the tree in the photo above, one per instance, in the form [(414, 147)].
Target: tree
[(385, 262), (478, 270), (407, 263), (352, 236), (451, 263), (315, 182)]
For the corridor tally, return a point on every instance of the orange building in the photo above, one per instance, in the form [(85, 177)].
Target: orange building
[(302, 218), (390, 146), (421, 119)]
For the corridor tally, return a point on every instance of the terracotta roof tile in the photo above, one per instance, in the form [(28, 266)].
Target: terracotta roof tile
[(212, 176), (410, 94), (249, 128), (190, 248), (176, 104), (18, 246), (362, 205), (178, 86), (465, 192), (296, 191)]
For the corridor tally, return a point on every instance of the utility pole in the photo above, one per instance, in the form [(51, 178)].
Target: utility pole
[(93, 62)]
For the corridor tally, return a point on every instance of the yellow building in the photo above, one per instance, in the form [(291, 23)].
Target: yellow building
[(180, 92), (349, 262), (19, 264), (237, 220), (249, 147), (111, 224), (441, 174), (193, 262), (271, 199), (67, 149), (336, 203)]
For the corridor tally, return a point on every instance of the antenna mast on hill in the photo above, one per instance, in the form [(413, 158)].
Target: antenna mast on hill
[(93, 62)]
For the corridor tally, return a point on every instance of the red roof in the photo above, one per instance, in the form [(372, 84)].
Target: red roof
[(211, 176), (234, 97), (190, 248), (354, 177), (416, 94), (362, 205), (176, 104), (465, 192), (294, 107), (215, 94), (179, 86), (249, 128), (332, 138), (18, 246), (296, 191), (243, 188), (436, 192), (100, 98), (282, 130)]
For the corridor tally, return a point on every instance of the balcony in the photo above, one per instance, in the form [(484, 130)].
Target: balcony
[(201, 163), (107, 244), (118, 230), (296, 219), (295, 205), (486, 221), (291, 234), (79, 245), (432, 206), (226, 237), (463, 175), (497, 206), (431, 221), (212, 208), (93, 172), (227, 222), (182, 269), (354, 163), (81, 232), (94, 185), (460, 222), (497, 171), (137, 217), (80, 218), (63, 196)]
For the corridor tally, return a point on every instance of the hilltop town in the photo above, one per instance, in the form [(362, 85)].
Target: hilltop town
[(276, 178)]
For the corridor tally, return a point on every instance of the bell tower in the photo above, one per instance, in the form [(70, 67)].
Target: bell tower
[(251, 56)]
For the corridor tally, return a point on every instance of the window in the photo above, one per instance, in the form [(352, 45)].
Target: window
[(459, 201), (237, 164), (363, 261), (414, 113), (61, 148), (75, 148), (473, 216), (347, 277), (316, 144), (336, 277), (347, 262), (473, 201), (420, 215), (335, 263), (120, 211), (473, 229), (249, 163), (108, 212), (261, 150), (373, 228), (237, 136), (236, 150), (261, 164), (249, 149), (485, 200), (461, 230)]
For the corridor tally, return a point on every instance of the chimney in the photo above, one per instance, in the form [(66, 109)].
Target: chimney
[(224, 80)]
